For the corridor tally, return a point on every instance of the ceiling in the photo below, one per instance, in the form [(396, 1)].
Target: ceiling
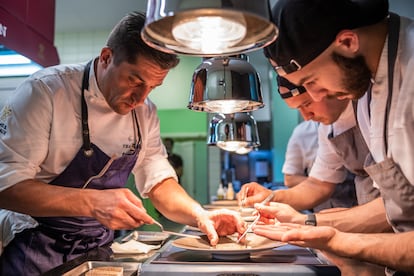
[(78, 15)]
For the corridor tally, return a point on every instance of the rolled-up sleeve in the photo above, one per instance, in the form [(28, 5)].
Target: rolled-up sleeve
[(152, 166)]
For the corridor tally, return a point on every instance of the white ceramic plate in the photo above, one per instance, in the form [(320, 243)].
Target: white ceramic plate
[(228, 245)]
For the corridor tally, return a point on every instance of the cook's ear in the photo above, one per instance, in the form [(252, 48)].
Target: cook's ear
[(347, 42), (105, 57)]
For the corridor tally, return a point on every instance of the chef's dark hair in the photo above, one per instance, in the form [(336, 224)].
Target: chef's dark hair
[(126, 43)]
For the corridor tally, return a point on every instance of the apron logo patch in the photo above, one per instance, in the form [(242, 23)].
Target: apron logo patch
[(5, 114), (129, 149)]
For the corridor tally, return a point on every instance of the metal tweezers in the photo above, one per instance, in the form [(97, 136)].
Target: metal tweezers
[(266, 200)]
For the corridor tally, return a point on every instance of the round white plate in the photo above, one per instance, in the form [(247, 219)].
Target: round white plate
[(228, 245)]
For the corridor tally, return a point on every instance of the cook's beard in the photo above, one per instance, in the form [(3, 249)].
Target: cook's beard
[(356, 76)]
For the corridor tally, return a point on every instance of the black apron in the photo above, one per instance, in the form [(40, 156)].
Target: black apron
[(59, 239)]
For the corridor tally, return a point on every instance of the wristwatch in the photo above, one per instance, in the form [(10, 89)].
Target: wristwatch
[(310, 219)]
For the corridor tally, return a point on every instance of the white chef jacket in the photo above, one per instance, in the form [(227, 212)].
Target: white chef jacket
[(328, 165), (401, 118), (301, 149), (40, 130)]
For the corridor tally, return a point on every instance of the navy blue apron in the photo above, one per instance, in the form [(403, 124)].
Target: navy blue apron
[(59, 239)]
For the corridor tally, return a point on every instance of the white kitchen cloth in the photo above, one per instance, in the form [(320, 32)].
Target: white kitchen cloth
[(12, 223), (132, 247)]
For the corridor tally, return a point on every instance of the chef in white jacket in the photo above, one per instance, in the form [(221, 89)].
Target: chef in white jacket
[(69, 138)]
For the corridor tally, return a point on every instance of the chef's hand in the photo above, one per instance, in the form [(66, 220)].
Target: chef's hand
[(318, 237), (251, 193), (279, 212), (118, 209), (220, 222)]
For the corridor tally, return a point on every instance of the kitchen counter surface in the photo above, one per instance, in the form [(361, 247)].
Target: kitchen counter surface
[(102, 254), (169, 260)]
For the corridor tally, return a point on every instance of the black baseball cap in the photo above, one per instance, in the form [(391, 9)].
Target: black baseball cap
[(293, 89), (308, 27)]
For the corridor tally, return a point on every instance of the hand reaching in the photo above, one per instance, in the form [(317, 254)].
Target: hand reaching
[(251, 193), (220, 223), (118, 208), (279, 212)]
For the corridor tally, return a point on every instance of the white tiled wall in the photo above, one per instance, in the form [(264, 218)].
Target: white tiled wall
[(79, 47)]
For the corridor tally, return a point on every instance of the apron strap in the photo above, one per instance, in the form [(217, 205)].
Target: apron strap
[(393, 34), (87, 148)]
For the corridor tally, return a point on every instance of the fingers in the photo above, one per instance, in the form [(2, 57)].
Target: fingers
[(265, 211), (221, 223), (251, 193), (122, 210), (207, 226)]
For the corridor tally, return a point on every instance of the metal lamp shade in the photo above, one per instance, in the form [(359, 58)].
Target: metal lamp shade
[(208, 28), (234, 132), (225, 85)]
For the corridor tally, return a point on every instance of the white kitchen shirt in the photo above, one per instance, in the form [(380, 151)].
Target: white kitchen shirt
[(40, 130), (301, 149), (401, 118), (328, 165)]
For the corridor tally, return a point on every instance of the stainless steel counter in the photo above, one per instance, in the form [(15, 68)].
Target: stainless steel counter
[(170, 260), (285, 260)]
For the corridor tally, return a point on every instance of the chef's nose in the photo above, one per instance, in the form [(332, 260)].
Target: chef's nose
[(307, 115), (140, 94)]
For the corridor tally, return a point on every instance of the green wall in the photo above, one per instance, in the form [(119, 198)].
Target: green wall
[(284, 121), (177, 121), (183, 123)]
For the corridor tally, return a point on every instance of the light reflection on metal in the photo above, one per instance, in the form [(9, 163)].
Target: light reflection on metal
[(234, 132), (208, 28), (225, 85)]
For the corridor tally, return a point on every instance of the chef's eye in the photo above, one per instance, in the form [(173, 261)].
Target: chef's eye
[(309, 84), (305, 104), (134, 81)]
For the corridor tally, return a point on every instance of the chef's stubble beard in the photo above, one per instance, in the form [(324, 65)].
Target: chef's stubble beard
[(356, 74)]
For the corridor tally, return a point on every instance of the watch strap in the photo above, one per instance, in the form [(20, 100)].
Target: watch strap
[(310, 219)]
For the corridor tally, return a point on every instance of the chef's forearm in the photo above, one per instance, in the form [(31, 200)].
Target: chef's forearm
[(292, 180), (174, 202), (36, 198), (305, 195), (390, 249), (367, 218)]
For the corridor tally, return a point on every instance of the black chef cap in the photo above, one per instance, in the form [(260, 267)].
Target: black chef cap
[(293, 89), (308, 27)]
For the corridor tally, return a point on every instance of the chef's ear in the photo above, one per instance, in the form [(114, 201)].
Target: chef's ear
[(347, 43), (105, 56)]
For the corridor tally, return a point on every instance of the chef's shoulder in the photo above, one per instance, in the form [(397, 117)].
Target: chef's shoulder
[(58, 77)]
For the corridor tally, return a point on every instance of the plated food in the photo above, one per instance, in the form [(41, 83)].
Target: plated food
[(228, 244)]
